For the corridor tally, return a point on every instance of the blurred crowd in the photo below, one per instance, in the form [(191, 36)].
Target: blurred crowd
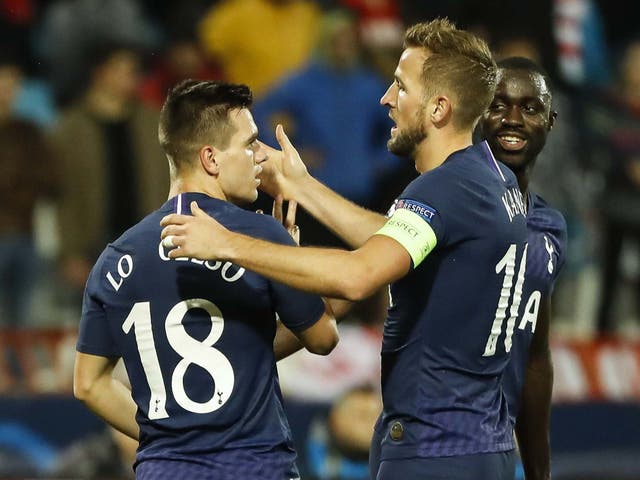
[(82, 81)]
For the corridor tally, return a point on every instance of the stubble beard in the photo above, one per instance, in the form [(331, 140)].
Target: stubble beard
[(406, 143)]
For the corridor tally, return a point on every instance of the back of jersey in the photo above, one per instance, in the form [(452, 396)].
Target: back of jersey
[(197, 341)]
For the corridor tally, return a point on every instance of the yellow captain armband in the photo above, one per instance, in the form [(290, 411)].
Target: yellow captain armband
[(412, 232)]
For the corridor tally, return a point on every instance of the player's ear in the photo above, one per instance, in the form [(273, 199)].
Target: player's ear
[(440, 110), (208, 161)]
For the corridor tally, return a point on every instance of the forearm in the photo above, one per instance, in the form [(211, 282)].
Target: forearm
[(327, 272), (111, 400), (532, 424), (287, 343), (352, 223)]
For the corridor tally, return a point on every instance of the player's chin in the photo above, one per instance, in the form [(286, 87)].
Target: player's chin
[(513, 160), (252, 196)]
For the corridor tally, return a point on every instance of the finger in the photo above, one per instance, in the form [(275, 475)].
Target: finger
[(277, 208), (196, 211), (172, 230), (167, 242), (174, 219), (178, 251), (294, 231), (291, 214), (283, 139)]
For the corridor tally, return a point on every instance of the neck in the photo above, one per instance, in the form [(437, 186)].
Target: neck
[(433, 151), (523, 181), (184, 183)]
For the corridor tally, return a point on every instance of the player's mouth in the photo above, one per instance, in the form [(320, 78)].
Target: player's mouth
[(394, 128), (511, 142)]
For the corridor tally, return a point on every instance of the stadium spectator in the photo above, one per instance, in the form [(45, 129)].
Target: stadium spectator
[(29, 175), (182, 58), (338, 441), (197, 338), (253, 39), (516, 126), (70, 32), (444, 351), (108, 148), (330, 107), (612, 120), (107, 454)]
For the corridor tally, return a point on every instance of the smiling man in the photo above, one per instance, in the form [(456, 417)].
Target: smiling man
[(197, 338), (453, 249), (516, 126)]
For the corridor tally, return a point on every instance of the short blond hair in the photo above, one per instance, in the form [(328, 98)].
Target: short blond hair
[(459, 64)]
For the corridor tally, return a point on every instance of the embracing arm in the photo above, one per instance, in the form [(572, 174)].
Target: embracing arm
[(532, 424), (352, 275), (350, 222), (110, 399)]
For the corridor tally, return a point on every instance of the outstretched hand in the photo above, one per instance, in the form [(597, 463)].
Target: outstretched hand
[(195, 236), (283, 169)]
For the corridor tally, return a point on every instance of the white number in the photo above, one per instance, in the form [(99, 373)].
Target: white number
[(140, 318), (191, 350), (507, 263), (124, 260)]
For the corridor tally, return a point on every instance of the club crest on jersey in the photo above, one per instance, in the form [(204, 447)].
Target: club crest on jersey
[(550, 250)]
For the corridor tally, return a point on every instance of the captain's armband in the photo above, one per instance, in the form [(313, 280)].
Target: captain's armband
[(412, 232)]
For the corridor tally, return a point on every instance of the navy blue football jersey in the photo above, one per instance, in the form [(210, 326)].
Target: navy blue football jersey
[(546, 254), (447, 336), (196, 338)]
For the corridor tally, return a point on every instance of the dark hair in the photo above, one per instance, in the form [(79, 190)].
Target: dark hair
[(523, 63), (195, 113), (459, 63)]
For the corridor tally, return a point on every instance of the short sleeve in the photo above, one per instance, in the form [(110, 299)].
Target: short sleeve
[(94, 336), (559, 243), (415, 220)]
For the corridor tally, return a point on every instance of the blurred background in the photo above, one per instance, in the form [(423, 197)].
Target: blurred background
[(81, 83)]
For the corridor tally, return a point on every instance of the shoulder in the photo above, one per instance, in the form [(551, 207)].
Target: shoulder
[(544, 217), (250, 223), (550, 224)]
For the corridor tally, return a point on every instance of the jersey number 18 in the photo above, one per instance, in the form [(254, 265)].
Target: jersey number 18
[(192, 351)]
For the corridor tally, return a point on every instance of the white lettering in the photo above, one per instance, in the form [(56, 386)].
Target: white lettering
[(228, 272), (530, 314), (513, 203), (125, 260)]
